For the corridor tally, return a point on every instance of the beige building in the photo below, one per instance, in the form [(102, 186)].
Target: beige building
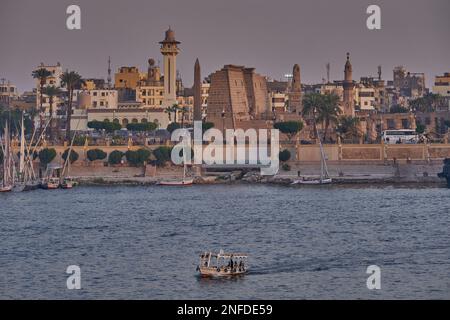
[(8, 92), (237, 94), (96, 99), (442, 85), (128, 77)]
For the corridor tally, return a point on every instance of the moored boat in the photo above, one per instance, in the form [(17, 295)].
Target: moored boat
[(50, 184)]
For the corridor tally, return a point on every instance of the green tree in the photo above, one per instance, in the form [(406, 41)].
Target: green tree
[(162, 155), (41, 74), (137, 158), (96, 154), (142, 127), (70, 80), (173, 126), (206, 126), (73, 155), (46, 156), (51, 92), (284, 155), (428, 103), (311, 102), (173, 109), (420, 128), (289, 128), (115, 157), (328, 112), (348, 127)]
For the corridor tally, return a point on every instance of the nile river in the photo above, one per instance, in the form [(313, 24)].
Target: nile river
[(304, 243)]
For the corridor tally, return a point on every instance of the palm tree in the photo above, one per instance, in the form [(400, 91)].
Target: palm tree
[(348, 126), (428, 103), (41, 74), (168, 110), (51, 92), (328, 111), (174, 108), (311, 102), (183, 110), (70, 79)]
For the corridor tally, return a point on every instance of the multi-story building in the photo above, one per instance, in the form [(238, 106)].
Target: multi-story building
[(410, 85), (8, 92), (97, 99), (128, 77), (442, 85)]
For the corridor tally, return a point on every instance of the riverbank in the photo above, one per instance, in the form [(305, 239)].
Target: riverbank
[(342, 174)]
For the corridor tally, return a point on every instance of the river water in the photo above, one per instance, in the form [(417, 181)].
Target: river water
[(304, 243)]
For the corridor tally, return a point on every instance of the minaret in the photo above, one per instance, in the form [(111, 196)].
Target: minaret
[(295, 94), (109, 73), (349, 107), (197, 92), (169, 50)]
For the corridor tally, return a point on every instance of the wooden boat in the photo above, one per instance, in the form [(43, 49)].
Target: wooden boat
[(8, 162), (314, 181), (50, 184), (183, 182), (222, 264), (6, 188), (67, 183)]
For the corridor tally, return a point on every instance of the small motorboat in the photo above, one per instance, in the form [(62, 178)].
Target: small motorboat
[(50, 184), (222, 264), (67, 183)]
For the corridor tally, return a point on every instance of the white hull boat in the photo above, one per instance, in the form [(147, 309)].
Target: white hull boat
[(313, 181), (184, 182)]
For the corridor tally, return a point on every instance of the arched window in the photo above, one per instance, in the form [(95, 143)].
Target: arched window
[(106, 120), (116, 120), (134, 120), (124, 122), (144, 120)]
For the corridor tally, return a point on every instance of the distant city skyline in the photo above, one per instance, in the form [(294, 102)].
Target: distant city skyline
[(269, 36)]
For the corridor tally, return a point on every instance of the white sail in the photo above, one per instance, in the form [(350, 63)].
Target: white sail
[(22, 148)]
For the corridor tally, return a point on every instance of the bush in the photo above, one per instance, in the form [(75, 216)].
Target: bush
[(162, 155), (286, 167), (46, 156), (115, 157), (420, 129), (73, 155), (137, 158), (284, 155), (104, 125), (173, 126), (289, 128), (206, 126), (96, 154), (145, 126)]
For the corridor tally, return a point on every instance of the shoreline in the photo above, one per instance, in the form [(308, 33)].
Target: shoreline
[(276, 181)]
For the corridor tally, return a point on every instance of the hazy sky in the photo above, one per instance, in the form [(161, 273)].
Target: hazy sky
[(269, 35)]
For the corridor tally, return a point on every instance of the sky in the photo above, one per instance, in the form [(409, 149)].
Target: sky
[(270, 36)]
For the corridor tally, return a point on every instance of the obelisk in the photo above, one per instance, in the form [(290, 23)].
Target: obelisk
[(197, 92)]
